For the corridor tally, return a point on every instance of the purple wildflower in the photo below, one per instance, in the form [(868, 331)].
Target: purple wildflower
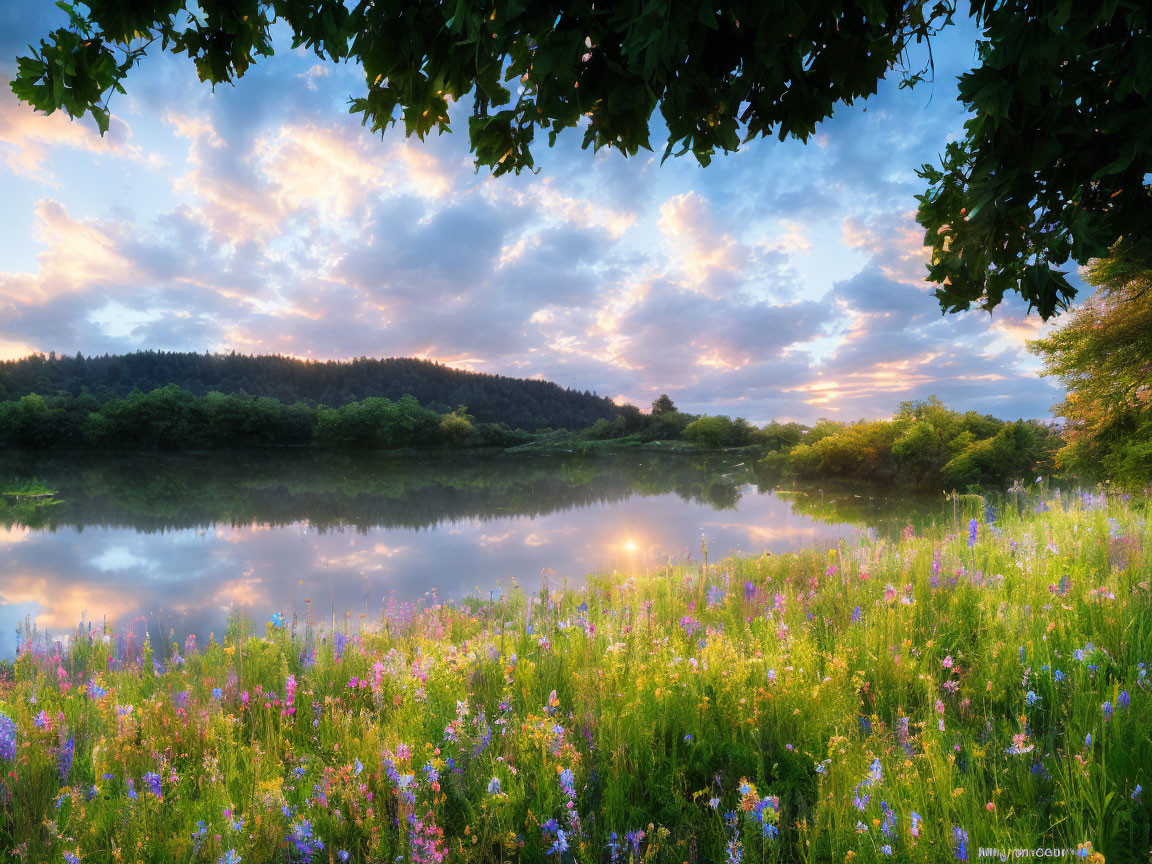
[(152, 781), (7, 738), (64, 756), (634, 838)]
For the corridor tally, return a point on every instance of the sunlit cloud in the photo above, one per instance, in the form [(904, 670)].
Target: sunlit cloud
[(10, 536), (10, 350), (78, 255), (894, 241), (61, 606), (29, 142), (263, 219), (244, 592), (698, 248)]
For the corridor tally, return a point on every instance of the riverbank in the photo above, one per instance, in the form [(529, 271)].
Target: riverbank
[(564, 441), (980, 684)]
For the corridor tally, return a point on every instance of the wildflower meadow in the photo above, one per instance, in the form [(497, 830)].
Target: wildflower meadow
[(978, 684)]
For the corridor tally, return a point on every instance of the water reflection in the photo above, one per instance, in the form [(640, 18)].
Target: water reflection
[(183, 539)]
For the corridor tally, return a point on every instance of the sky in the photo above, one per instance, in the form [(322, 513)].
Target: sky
[(784, 281)]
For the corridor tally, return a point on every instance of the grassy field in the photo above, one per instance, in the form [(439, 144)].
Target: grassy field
[(983, 686)]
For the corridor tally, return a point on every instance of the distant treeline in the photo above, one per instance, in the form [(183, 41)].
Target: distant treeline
[(925, 446), (170, 418), (519, 403)]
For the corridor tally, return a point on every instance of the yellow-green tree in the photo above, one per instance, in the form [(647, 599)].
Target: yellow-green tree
[(1103, 356)]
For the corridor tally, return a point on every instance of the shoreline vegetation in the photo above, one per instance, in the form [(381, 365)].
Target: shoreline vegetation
[(923, 447), (980, 683)]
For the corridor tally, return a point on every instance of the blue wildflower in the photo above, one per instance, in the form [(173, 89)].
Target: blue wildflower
[(560, 845), (959, 843), (152, 781), (613, 846), (198, 836)]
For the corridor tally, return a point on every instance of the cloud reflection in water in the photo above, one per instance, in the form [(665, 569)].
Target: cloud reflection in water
[(182, 540)]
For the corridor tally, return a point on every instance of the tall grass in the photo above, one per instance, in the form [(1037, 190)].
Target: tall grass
[(983, 686)]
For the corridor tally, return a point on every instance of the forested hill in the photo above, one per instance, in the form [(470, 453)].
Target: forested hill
[(521, 403)]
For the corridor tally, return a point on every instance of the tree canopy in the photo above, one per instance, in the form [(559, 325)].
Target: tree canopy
[(517, 402), (663, 404), (924, 446), (1103, 357), (1051, 166)]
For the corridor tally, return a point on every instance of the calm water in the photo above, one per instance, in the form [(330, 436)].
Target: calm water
[(181, 540)]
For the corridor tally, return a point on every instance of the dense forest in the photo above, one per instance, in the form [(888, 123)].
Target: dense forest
[(519, 403), (169, 418)]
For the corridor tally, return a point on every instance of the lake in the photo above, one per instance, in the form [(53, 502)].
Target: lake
[(174, 542)]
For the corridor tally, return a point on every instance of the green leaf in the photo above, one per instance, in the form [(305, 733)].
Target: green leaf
[(101, 117)]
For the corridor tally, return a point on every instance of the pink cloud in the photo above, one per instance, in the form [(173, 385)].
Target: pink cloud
[(28, 139), (80, 254), (895, 243), (697, 246)]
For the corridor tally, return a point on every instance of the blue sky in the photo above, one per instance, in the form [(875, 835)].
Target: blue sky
[(782, 281)]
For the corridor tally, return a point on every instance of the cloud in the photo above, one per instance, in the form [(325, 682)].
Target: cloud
[(894, 347), (312, 73), (79, 255), (13, 351), (781, 281), (895, 241), (29, 141), (702, 254)]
